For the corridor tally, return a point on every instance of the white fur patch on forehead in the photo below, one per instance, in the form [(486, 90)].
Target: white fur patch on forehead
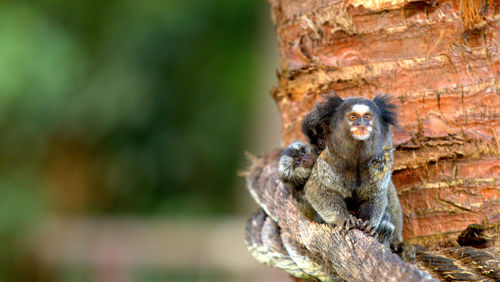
[(360, 109)]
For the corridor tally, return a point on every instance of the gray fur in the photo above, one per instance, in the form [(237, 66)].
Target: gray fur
[(394, 209), (295, 167), (385, 229)]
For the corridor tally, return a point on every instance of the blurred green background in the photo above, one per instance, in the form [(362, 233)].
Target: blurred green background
[(123, 109)]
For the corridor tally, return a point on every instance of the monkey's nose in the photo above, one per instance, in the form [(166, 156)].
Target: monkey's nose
[(307, 162)]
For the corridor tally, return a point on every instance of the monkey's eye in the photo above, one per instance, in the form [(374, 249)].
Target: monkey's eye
[(368, 116), (352, 116)]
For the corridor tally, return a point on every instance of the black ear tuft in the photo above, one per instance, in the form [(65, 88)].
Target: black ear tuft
[(387, 109), (311, 128), (316, 125), (327, 109)]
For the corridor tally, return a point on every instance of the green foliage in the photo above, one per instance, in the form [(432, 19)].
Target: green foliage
[(155, 94), (142, 105), (20, 213)]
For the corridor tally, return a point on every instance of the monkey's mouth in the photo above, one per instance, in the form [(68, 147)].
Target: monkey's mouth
[(361, 132)]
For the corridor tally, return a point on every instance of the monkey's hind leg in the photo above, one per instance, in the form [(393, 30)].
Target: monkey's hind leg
[(385, 230), (372, 212), (394, 209)]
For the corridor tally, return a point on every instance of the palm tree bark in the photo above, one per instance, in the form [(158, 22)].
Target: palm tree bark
[(440, 61)]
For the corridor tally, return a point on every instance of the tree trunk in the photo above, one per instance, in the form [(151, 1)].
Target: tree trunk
[(440, 61)]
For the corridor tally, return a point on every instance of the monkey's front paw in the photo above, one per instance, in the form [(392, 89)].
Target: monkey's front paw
[(377, 161), (381, 158), (350, 222), (369, 228)]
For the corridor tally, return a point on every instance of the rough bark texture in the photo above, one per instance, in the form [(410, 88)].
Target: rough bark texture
[(440, 61)]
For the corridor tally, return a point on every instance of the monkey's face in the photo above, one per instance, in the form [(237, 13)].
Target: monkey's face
[(296, 163), (351, 121), (360, 121), (299, 156)]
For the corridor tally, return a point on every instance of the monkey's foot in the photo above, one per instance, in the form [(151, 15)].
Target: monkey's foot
[(369, 228), (350, 222), (382, 238)]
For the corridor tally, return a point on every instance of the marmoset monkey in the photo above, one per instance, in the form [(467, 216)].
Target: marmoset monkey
[(296, 163), (295, 166), (352, 176)]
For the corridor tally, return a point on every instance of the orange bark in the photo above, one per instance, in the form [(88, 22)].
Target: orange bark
[(443, 71)]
